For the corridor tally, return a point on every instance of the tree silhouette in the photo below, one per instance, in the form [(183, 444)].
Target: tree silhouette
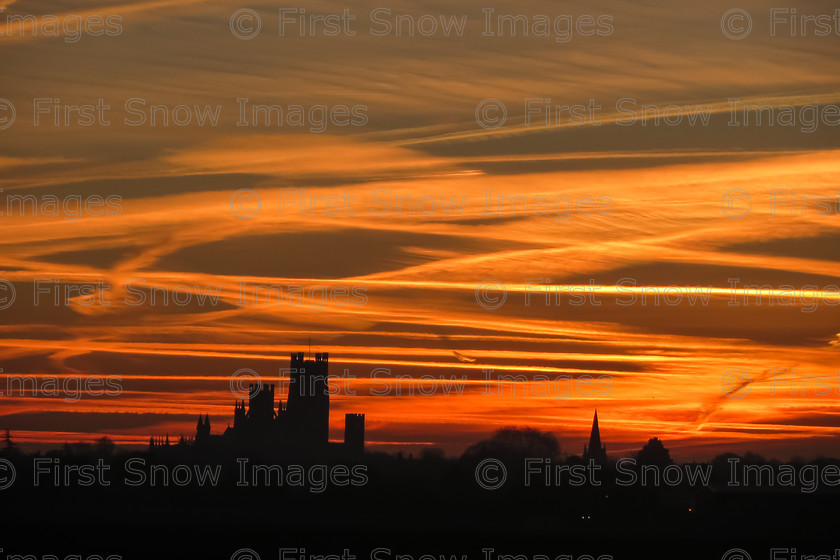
[(654, 453), (105, 446), (516, 443)]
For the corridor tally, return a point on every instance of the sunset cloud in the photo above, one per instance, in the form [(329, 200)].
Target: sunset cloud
[(658, 256)]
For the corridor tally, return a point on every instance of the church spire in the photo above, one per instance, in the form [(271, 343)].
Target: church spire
[(595, 450), (595, 436)]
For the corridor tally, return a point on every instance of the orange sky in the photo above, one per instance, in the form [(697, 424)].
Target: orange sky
[(390, 225)]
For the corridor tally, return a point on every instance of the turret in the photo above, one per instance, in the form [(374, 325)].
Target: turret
[(354, 433)]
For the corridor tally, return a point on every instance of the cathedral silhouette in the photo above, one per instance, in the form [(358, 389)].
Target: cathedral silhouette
[(302, 424)]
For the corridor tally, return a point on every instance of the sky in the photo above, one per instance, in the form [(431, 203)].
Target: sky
[(634, 213)]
